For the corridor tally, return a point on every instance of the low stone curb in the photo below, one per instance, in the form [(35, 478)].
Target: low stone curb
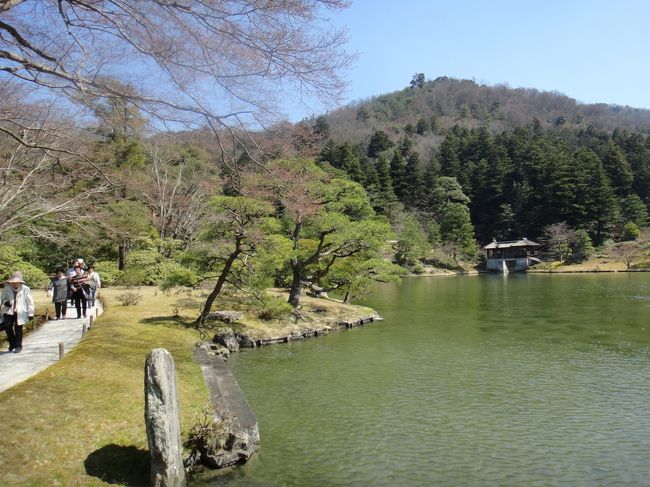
[(248, 342)]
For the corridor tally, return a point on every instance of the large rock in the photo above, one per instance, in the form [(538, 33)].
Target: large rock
[(226, 316), (161, 418), (226, 337), (242, 436), (239, 447)]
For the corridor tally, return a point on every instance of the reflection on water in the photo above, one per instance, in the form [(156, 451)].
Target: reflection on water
[(527, 380)]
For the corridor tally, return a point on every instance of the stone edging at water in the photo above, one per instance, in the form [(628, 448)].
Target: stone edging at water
[(583, 271), (230, 406), (228, 399), (247, 342)]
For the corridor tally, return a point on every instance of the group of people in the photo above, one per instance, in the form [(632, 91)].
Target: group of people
[(78, 285)]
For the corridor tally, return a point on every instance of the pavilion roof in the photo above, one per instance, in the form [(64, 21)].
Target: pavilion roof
[(504, 244)]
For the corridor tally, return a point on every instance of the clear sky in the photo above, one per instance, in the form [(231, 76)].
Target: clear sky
[(594, 51)]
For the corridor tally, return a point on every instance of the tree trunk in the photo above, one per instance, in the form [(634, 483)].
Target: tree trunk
[(220, 282), (346, 298), (121, 263), (296, 283)]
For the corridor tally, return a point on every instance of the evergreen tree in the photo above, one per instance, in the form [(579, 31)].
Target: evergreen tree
[(637, 150), (385, 197), (417, 81), (412, 244), (430, 181), (328, 153), (321, 127), (379, 142), (398, 175), (413, 179), (405, 146), (347, 159), (423, 126), (633, 210), (594, 203), (618, 169), (582, 246), (450, 164), (457, 231)]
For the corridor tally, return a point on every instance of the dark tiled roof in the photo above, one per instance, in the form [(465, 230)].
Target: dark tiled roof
[(524, 242)]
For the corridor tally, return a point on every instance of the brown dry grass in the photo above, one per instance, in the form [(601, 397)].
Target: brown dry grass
[(606, 259)]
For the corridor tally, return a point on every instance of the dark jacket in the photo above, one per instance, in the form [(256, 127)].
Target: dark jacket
[(59, 288)]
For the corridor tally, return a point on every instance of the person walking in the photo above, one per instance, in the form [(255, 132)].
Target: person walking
[(59, 289), (94, 283), (77, 291), (17, 308)]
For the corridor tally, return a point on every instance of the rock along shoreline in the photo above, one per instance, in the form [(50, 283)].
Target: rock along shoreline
[(246, 341), (227, 398)]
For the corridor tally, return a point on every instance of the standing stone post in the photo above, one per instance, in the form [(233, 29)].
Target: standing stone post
[(161, 418)]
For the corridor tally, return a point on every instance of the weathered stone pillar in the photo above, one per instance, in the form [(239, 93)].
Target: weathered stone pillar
[(161, 418)]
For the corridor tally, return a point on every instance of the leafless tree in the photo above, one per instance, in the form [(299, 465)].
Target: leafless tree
[(626, 252), (175, 194), (225, 64), (39, 175), (558, 239)]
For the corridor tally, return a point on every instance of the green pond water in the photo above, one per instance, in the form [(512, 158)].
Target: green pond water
[(489, 380)]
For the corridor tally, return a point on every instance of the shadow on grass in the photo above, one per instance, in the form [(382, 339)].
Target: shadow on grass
[(170, 320), (116, 464)]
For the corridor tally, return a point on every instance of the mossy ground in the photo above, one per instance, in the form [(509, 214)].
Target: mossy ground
[(81, 421)]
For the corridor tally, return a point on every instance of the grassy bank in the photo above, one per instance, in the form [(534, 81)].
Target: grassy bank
[(620, 257), (80, 422), (312, 313)]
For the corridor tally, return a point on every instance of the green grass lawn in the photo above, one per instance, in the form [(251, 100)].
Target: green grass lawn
[(80, 422)]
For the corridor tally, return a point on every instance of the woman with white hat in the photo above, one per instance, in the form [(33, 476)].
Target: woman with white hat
[(17, 309)]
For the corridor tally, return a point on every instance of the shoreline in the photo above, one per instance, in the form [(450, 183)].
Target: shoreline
[(246, 341)]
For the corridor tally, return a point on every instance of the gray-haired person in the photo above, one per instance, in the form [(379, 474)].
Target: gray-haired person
[(17, 309)]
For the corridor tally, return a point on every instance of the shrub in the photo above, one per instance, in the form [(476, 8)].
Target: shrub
[(178, 276), (129, 298), (631, 231), (273, 308), (108, 272), (417, 268), (10, 262), (149, 267), (209, 432), (132, 277)]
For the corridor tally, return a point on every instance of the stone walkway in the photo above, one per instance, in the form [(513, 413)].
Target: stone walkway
[(41, 348)]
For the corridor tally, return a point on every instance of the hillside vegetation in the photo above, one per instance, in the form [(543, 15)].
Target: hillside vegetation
[(458, 164)]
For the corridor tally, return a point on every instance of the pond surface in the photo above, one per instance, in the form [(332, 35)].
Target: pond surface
[(489, 380)]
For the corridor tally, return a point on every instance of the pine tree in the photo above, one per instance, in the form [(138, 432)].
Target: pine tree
[(430, 181), (379, 142), (413, 179), (385, 197), (348, 161), (618, 169), (398, 175)]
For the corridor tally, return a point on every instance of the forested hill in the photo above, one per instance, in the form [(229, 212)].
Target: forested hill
[(475, 162), (445, 102)]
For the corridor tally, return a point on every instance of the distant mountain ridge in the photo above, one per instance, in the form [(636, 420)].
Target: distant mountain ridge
[(444, 102)]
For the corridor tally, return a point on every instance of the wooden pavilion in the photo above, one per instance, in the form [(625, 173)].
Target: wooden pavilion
[(511, 255)]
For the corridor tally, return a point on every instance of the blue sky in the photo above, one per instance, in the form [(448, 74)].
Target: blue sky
[(593, 51)]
